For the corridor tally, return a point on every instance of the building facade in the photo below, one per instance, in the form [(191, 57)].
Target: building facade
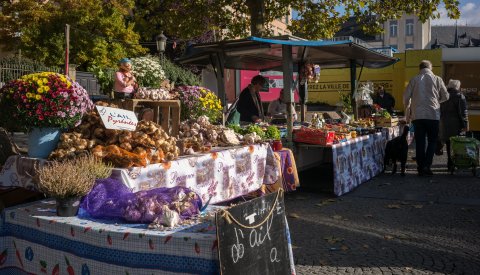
[(404, 33), (407, 32)]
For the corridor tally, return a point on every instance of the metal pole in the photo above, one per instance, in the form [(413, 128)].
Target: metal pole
[(288, 97), (67, 46), (353, 86)]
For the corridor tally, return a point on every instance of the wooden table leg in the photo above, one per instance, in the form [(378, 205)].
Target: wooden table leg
[(175, 120), (165, 118)]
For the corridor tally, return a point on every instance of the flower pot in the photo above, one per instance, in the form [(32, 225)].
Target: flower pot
[(68, 207), (42, 141), (277, 145)]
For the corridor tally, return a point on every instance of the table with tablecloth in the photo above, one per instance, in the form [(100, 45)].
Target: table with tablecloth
[(289, 180), (33, 240), (356, 160), (222, 174)]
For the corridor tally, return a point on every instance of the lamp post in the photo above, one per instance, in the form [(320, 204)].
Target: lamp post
[(161, 45)]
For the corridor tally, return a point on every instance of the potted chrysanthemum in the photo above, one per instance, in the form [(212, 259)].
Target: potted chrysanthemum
[(43, 104), (199, 101)]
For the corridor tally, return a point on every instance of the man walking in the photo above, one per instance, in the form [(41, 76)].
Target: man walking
[(422, 98)]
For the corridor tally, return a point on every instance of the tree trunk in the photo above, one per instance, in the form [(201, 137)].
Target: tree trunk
[(257, 19)]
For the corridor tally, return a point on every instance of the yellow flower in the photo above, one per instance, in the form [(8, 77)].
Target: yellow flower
[(46, 88), (45, 81), (40, 90), (39, 82), (28, 95), (38, 97)]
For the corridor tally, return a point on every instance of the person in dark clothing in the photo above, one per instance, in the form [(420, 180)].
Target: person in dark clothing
[(384, 99), (249, 104), (453, 115)]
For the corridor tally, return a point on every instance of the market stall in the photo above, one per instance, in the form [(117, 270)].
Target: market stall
[(131, 178), (289, 54)]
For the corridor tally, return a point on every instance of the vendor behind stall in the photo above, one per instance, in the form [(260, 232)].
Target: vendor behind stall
[(279, 108), (125, 82), (384, 99), (249, 104)]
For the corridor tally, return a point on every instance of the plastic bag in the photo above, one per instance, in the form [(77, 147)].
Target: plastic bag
[(110, 198)]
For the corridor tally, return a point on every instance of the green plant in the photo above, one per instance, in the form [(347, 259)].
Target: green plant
[(105, 77), (71, 178), (179, 75), (272, 132), (346, 100), (236, 128), (252, 128)]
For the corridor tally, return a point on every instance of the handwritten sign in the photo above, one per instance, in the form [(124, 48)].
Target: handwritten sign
[(252, 237), (118, 119)]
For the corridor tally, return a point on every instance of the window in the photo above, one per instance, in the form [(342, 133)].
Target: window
[(408, 46), (409, 27), (393, 28)]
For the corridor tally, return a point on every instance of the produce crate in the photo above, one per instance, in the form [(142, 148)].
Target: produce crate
[(166, 112), (386, 122), (314, 136)]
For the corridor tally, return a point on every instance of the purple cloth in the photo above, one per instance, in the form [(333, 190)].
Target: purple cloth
[(110, 198)]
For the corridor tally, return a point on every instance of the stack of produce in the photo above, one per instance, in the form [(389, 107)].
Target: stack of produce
[(199, 135), (155, 94), (149, 144)]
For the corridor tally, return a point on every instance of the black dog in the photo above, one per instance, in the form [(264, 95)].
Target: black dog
[(397, 150)]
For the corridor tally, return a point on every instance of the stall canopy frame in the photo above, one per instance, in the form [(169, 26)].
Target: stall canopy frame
[(255, 53)]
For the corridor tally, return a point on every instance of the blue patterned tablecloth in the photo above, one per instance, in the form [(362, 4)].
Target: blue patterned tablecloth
[(33, 240), (358, 160)]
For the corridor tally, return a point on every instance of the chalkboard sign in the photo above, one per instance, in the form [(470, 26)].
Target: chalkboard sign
[(252, 237)]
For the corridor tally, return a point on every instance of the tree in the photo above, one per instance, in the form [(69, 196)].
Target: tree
[(316, 19), (100, 33)]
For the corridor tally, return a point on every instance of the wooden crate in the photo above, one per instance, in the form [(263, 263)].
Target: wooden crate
[(386, 122), (166, 112)]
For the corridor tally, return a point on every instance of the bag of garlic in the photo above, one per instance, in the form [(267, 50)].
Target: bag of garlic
[(110, 198)]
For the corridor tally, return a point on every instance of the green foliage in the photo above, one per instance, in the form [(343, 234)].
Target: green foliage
[(316, 19), (105, 77), (100, 33), (346, 99), (272, 132), (253, 128), (179, 75), (236, 128)]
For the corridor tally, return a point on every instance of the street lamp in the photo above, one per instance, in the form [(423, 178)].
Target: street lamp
[(161, 44)]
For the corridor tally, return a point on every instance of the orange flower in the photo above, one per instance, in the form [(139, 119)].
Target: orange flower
[(167, 165), (290, 170), (214, 155), (251, 149)]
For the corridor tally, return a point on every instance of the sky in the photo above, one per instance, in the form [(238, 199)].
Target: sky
[(469, 14)]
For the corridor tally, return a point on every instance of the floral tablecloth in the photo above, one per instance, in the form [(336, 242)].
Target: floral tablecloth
[(360, 159), (222, 174), (289, 180), (33, 240)]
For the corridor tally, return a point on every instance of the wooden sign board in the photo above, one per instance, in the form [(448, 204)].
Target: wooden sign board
[(252, 237), (117, 119)]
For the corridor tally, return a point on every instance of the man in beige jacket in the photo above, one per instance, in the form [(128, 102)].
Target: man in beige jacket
[(422, 98)]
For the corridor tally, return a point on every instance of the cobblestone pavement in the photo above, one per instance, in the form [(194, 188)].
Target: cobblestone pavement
[(390, 225)]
